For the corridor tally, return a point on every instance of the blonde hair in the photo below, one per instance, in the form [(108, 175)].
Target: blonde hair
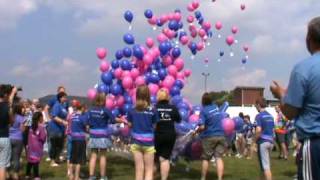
[(99, 100), (163, 95), (143, 98)]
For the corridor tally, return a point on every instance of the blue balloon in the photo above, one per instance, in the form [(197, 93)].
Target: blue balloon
[(125, 64), (194, 52), (127, 108), (197, 14), (115, 112), (182, 34), (163, 47), (127, 52), (116, 89), (107, 78), (137, 52), (221, 53), (210, 34), (115, 64), (200, 20), (183, 105), (177, 10), (128, 99), (154, 78), (175, 90), (128, 16), (244, 61), (119, 54), (147, 77), (153, 99), (176, 99), (183, 114), (179, 84), (128, 38), (169, 45), (148, 13), (159, 23), (180, 24), (173, 25), (102, 88), (162, 73), (193, 46), (176, 52)]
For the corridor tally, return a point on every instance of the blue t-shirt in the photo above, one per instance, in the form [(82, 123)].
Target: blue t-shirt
[(143, 126), (54, 100), (78, 127), (58, 110), (15, 132), (211, 118), (98, 119), (266, 122), (304, 93)]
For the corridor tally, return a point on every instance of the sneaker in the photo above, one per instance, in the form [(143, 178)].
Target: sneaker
[(54, 164), (104, 178), (92, 178)]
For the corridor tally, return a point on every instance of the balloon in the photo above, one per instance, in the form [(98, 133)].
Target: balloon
[(102, 88), (242, 7), (162, 73), (175, 91), (198, 14), (200, 46), (115, 112), (180, 76), (172, 70), (202, 33), (190, 19), (152, 20), (148, 13), (116, 89), (163, 19), (128, 16), (179, 83), (173, 25), (187, 72), (221, 53), (134, 73), (153, 99), (118, 73), (91, 94), (230, 40), (163, 47), (244, 61), (125, 74), (246, 48), (109, 103), (228, 126), (161, 38), (153, 88), (149, 42), (218, 25), (140, 81), (148, 59), (104, 66), (234, 29), (168, 82), (137, 52), (125, 64), (120, 101), (176, 52), (125, 131), (190, 7), (184, 40), (179, 64), (206, 25), (176, 99), (119, 54), (107, 77), (177, 16), (183, 114), (101, 53), (195, 4), (128, 38), (127, 52)]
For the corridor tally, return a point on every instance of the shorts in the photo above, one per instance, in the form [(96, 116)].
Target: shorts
[(264, 150), (164, 144), (239, 136), (249, 141), (5, 152), (213, 146), (99, 143), (281, 138), (143, 149), (69, 147), (78, 152)]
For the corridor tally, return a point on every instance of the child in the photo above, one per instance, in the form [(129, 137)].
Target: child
[(36, 139), (78, 141), (142, 119)]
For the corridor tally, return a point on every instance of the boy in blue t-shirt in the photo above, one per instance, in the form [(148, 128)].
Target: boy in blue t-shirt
[(264, 137)]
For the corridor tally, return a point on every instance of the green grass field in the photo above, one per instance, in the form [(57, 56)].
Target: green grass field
[(122, 168)]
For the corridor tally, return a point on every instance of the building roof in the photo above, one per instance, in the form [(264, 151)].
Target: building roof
[(249, 88)]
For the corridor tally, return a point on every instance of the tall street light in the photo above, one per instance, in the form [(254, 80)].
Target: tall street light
[(205, 80)]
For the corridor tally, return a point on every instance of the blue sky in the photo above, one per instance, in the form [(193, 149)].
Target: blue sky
[(48, 43)]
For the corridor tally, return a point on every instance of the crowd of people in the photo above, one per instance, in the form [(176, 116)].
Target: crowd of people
[(26, 126)]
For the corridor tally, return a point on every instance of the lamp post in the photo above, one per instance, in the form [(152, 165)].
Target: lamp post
[(205, 80)]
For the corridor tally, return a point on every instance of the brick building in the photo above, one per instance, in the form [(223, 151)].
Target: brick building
[(247, 95)]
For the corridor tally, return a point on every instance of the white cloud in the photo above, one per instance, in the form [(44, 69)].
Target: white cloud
[(242, 77), (21, 71)]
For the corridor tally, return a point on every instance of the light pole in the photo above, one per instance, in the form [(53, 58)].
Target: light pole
[(205, 80)]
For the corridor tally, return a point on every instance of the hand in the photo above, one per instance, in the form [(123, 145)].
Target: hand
[(14, 90), (65, 123), (277, 90)]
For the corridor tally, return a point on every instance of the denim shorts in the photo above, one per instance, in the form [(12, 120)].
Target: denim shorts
[(5, 152)]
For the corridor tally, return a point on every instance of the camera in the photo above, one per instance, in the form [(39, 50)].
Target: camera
[(6, 89)]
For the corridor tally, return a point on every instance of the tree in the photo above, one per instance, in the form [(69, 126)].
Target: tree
[(222, 96)]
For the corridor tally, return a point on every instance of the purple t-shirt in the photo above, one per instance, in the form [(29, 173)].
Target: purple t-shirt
[(15, 130)]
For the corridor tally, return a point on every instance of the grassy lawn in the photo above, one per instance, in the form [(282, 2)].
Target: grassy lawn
[(122, 168)]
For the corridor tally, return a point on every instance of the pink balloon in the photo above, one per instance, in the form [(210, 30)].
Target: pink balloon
[(153, 88), (153, 20), (246, 48), (163, 19), (179, 64), (167, 60), (104, 66), (190, 7), (193, 34), (184, 40), (202, 32), (91, 94), (192, 28), (187, 72), (127, 82), (171, 34), (230, 40), (109, 103), (206, 60), (120, 101), (149, 42), (118, 73), (125, 74), (147, 59), (200, 46), (168, 82), (144, 50), (140, 81), (180, 75), (134, 73), (234, 29), (228, 126), (206, 25), (171, 16), (195, 4), (161, 38), (177, 16), (194, 118), (242, 7), (101, 53), (218, 25), (172, 70)]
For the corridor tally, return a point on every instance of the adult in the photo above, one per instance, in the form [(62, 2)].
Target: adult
[(16, 139), (281, 134), (57, 128), (6, 118), (301, 101), (165, 134), (264, 137), (213, 137)]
